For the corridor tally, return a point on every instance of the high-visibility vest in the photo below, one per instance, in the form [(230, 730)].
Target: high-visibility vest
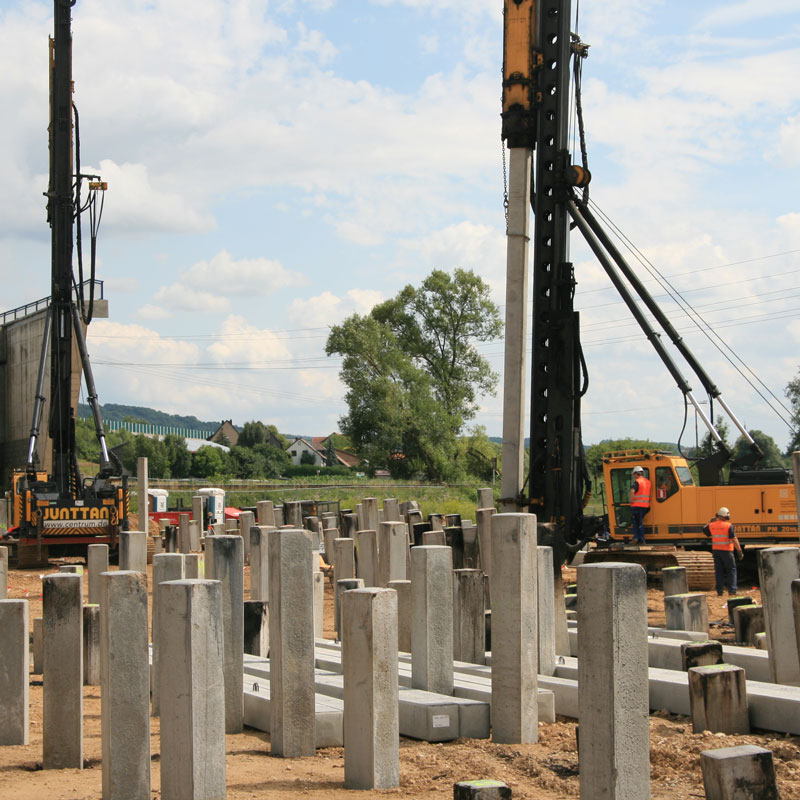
[(720, 535), (641, 493), (661, 492)]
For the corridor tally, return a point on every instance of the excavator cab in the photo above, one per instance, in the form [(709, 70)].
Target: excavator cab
[(620, 480)]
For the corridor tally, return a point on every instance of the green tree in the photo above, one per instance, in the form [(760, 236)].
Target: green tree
[(86, 445), (275, 461), (413, 373), (394, 420), (253, 433), (330, 454), (153, 450), (707, 444), (793, 395), (772, 454), (437, 325), (178, 456), (478, 455), (307, 458), (210, 462), (245, 463)]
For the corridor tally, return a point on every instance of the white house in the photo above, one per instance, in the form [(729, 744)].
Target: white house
[(300, 446)]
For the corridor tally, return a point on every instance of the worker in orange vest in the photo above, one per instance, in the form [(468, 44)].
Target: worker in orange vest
[(640, 503), (723, 543)]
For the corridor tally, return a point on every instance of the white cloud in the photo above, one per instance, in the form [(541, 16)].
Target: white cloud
[(352, 231), (315, 43), (468, 245), (745, 12), (150, 311), (789, 224), (209, 285), (123, 285), (243, 344), (429, 43), (329, 309), (135, 203), (185, 298), (135, 365), (464, 7), (788, 149), (244, 276)]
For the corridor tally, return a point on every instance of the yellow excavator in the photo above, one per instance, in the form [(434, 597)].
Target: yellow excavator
[(762, 505)]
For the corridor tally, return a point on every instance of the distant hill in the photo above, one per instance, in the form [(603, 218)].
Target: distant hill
[(119, 413)]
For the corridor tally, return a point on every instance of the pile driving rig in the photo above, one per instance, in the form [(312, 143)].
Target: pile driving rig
[(541, 70), (65, 511)]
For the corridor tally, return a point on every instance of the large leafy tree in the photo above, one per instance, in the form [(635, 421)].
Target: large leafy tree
[(154, 450), (256, 432), (437, 326), (178, 455), (210, 462), (708, 444), (772, 454), (413, 373), (793, 394)]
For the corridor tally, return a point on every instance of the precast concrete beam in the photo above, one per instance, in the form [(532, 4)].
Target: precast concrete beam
[(613, 705), (403, 589), (191, 676), (731, 773), (777, 568), (367, 544), (96, 564), (514, 628), (469, 625), (291, 638), (432, 619), (125, 686), (14, 678), (392, 552), (718, 697), (91, 644), (166, 567), (674, 580), (62, 743), (369, 662), (228, 568), (687, 612)]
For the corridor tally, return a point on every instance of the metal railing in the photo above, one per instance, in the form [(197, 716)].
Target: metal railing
[(38, 305), (152, 429)]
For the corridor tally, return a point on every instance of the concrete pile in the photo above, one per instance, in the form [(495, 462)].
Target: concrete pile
[(412, 660)]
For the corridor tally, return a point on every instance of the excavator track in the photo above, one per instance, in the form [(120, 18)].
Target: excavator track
[(699, 568), (699, 564)]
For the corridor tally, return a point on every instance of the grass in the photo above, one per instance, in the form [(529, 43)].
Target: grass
[(461, 499)]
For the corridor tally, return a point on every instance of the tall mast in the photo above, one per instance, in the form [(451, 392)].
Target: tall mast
[(61, 211)]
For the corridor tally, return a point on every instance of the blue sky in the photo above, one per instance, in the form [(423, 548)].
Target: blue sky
[(275, 167)]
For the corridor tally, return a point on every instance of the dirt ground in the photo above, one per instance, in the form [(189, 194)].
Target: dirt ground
[(547, 769)]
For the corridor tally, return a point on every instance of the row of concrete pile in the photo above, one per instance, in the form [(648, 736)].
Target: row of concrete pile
[(769, 627), (411, 598)]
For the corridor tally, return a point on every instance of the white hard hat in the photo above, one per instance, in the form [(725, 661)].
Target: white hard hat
[(724, 512), (638, 469)]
